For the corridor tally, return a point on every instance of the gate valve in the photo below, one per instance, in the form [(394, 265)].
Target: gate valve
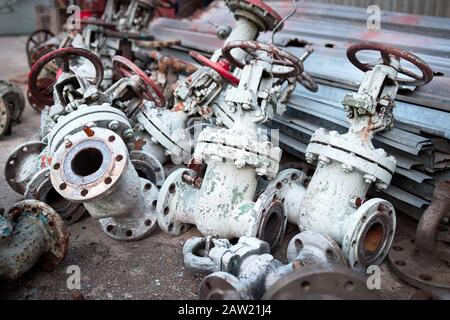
[(348, 164), (62, 57), (247, 270), (128, 69), (221, 67), (31, 232), (201, 92), (371, 109), (425, 261), (265, 70)]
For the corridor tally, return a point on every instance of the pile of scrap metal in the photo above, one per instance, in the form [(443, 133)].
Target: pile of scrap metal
[(332, 206), (121, 31), (103, 149), (420, 137)]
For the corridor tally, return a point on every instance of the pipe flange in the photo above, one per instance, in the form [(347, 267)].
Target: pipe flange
[(310, 247), (41, 188), (171, 188), (256, 11), (5, 117), (105, 156), (370, 233), (14, 99), (272, 217), (103, 116), (240, 146), (418, 269), (130, 228), (220, 286), (21, 160), (148, 167), (55, 229), (322, 282), (366, 159)]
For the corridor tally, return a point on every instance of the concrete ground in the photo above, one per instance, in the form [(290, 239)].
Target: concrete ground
[(149, 269)]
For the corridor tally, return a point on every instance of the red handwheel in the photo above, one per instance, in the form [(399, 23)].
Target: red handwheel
[(387, 53), (62, 58)]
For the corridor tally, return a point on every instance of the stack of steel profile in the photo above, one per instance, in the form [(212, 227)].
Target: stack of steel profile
[(420, 139)]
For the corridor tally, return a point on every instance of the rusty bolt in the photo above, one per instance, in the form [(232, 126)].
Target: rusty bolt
[(89, 132)]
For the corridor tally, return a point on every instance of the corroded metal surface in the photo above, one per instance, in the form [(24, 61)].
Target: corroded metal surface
[(46, 239), (424, 261), (322, 282)]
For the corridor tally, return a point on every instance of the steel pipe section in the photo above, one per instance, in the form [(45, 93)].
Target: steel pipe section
[(95, 169)]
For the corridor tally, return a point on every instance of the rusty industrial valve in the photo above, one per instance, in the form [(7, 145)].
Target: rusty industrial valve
[(62, 57), (93, 148), (197, 94), (31, 232), (247, 270), (27, 169), (160, 131), (425, 261), (12, 105), (348, 165), (227, 203), (89, 125)]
